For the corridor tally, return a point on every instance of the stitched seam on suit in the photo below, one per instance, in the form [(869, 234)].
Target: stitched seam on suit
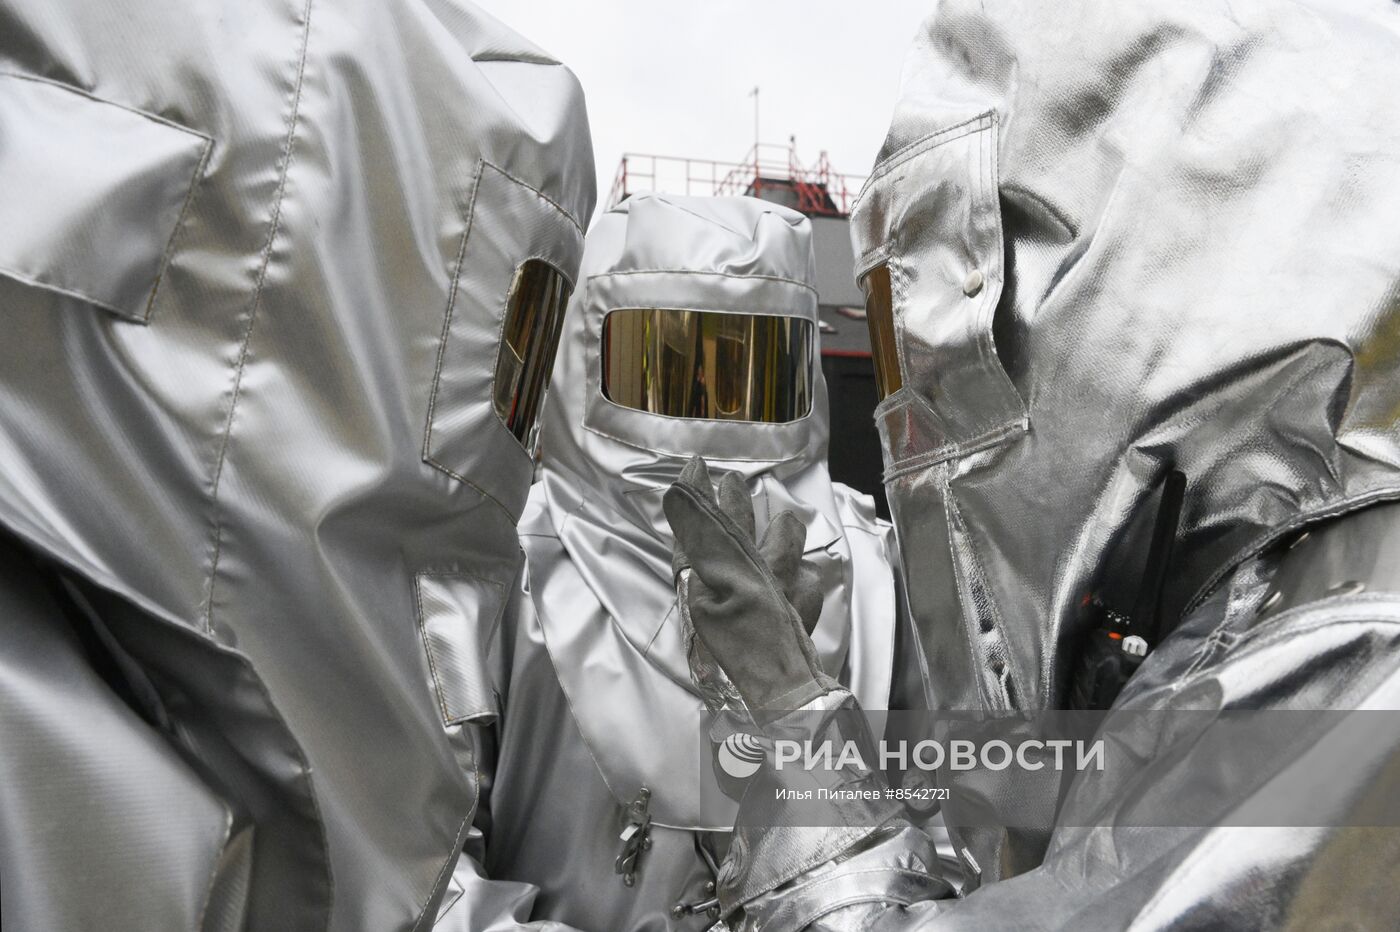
[(681, 454), (442, 343), (27, 279), (427, 648), (573, 715), (461, 837), (304, 774), (992, 438), (428, 456), (179, 219), (1268, 538), (991, 297), (1336, 611), (646, 650), (899, 298), (847, 837), (465, 481), (448, 719), (935, 139), (274, 226), (540, 194), (102, 100), (447, 315), (884, 896), (1013, 702), (214, 870), (913, 149), (1365, 609), (179, 225), (717, 274)]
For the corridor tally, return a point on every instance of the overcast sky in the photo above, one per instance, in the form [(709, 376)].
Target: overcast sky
[(673, 78)]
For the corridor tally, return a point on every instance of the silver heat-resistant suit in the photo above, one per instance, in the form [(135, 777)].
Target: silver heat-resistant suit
[(258, 510), (1123, 240), (266, 660), (597, 692)]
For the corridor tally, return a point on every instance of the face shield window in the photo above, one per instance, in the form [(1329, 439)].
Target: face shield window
[(879, 316), (704, 364), (534, 315)]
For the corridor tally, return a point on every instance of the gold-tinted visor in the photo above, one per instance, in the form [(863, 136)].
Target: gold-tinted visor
[(879, 316), (705, 364), (534, 315)]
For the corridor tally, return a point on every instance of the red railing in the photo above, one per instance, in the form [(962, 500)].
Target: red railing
[(818, 189)]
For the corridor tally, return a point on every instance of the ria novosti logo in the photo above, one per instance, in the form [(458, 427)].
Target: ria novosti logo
[(740, 755)]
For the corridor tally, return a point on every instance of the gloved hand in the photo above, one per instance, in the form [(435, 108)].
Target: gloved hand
[(751, 605)]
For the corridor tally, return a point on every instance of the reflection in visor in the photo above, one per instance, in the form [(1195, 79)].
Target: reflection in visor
[(879, 316), (534, 315), (703, 364)]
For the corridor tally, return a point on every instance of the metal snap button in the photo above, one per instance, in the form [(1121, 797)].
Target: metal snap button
[(1274, 599), (1348, 587), (973, 283)]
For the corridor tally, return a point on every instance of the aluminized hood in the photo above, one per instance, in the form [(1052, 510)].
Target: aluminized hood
[(1124, 239), (605, 466), (597, 543), (253, 264)]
